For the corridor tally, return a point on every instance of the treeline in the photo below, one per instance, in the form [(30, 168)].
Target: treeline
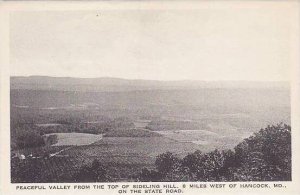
[(135, 132), (265, 156)]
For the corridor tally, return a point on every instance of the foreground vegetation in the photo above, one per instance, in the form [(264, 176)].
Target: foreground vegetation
[(265, 156)]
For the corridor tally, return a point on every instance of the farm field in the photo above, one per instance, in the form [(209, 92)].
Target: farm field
[(121, 153), (63, 168), (207, 140), (132, 149), (75, 139)]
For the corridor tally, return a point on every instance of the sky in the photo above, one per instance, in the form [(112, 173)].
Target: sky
[(199, 44)]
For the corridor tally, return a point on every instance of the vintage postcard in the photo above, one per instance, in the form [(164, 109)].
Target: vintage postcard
[(150, 97)]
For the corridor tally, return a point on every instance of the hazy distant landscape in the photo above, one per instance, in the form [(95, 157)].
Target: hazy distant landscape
[(198, 92), (62, 124)]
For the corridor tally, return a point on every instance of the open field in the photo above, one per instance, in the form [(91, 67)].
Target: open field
[(75, 139), (130, 150), (206, 140)]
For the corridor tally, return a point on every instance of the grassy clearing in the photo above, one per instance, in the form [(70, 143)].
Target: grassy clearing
[(132, 149), (75, 139)]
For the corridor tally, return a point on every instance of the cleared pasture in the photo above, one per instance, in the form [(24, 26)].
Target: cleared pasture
[(75, 139), (206, 140), (189, 135), (131, 150)]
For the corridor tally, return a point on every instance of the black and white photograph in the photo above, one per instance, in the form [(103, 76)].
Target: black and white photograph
[(198, 94)]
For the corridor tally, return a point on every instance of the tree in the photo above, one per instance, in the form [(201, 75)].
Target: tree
[(192, 163), (165, 162), (265, 156), (96, 172), (27, 139), (147, 175), (170, 167)]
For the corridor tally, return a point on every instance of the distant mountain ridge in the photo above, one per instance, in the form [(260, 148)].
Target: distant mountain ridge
[(119, 84)]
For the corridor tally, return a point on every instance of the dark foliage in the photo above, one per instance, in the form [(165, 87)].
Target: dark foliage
[(26, 171), (265, 156), (147, 175), (96, 172), (24, 136)]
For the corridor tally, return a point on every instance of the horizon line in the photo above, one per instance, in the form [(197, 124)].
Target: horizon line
[(136, 79)]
